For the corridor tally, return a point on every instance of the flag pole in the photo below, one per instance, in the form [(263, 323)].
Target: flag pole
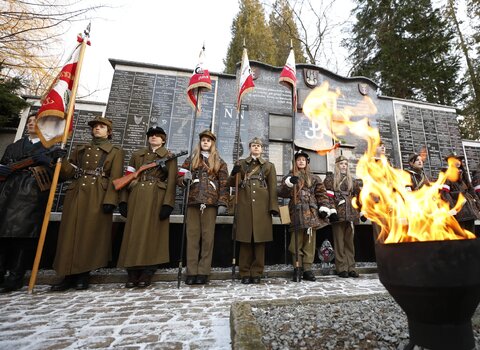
[(53, 188), (186, 194)]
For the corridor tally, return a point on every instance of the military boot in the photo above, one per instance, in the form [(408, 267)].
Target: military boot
[(14, 280)]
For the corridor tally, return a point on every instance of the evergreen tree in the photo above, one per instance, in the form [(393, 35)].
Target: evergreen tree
[(10, 103), (284, 30), (250, 25), (407, 47)]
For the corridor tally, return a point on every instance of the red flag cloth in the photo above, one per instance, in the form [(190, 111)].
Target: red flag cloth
[(288, 77), (246, 79), (200, 80), (52, 114)]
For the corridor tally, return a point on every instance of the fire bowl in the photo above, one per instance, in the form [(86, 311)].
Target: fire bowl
[(437, 284)]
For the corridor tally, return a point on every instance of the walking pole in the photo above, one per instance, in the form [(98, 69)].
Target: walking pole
[(186, 194), (237, 180), (53, 188)]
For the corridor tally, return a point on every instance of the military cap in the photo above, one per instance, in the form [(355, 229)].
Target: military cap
[(100, 120), (454, 155), (256, 140), (155, 130), (301, 153), (341, 158), (207, 133)]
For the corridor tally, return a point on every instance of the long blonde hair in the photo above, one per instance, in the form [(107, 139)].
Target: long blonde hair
[(304, 174), (213, 161), (337, 178)]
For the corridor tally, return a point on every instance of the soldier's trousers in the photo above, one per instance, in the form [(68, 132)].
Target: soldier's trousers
[(306, 248), (251, 260), (343, 245), (200, 238)]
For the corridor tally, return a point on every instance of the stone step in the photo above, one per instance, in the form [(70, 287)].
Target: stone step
[(168, 275)]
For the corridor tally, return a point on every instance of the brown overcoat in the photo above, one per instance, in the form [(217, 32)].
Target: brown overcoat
[(257, 196), (308, 202), (343, 198), (476, 182), (450, 192), (208, 189), (146, 237), (84, 239)]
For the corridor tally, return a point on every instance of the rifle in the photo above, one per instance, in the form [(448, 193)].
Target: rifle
[(125, 180), (21, 164)]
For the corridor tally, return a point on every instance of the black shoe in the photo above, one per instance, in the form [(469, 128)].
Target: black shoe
[(10, 286), (343, 274), (201, 279), (353, 274), (190, 279), (255, 280), (145, 280), (309, 276), (67, 283), (133, 276), (246, 280)]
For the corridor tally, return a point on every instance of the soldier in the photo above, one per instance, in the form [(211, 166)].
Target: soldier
[(257, 202), (416, 172), (208, 196), (23, 198), (452, 189), (147, 203), (312, 208), (476, 181), (84, 239), (342, 188)]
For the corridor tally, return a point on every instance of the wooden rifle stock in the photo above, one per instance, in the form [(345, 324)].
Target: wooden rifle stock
[(21, 164), (125, 180)]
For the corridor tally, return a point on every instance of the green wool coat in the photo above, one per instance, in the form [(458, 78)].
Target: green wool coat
[(257, 197), (84, 239), (146, 237)]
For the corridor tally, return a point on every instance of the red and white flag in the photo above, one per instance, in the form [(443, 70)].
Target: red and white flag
[(52, 114), (199, 81), (288, 77), (246, 79)]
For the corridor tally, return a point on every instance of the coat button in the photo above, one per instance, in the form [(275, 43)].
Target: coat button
[(85, 176), (83, 184), (88, 155), (253, 200), (253, 191)]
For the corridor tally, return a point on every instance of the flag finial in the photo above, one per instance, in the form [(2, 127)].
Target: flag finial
[(87, 30), (291, 44), (203, 46), (244, 45)]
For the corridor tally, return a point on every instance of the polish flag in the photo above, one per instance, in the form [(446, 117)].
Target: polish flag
[(199, 81), (288, 77), (52, 114), (246, 79)]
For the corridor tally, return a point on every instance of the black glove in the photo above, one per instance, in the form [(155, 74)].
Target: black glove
[(333, 217), (323, 214), (363, 218), (294, 179), (5, 171), (42, 158), (235, 170), (57, 152), (165, 212), (123, 209), (108, 208), (273, 212)]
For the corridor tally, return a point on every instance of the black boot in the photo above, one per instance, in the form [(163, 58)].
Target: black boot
[(133, 276), (67, 283), (297, 274), (145, 279), (201, 279), (82, 281), (190, 279), (14, 281), (309, 276)]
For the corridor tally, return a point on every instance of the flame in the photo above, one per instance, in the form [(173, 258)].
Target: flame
[(403, 215)]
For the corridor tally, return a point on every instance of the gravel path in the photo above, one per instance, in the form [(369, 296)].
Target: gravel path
[(376, 322)]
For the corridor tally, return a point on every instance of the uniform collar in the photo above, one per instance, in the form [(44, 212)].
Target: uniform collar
[(250, 159)]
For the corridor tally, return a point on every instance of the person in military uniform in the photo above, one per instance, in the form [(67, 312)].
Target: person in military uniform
[(147, 203), (257, 202), (476, 181), (342, 188), (23, 198), (208, 196), (308, 211), (84, 239), (415, 161), (452, 189)]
